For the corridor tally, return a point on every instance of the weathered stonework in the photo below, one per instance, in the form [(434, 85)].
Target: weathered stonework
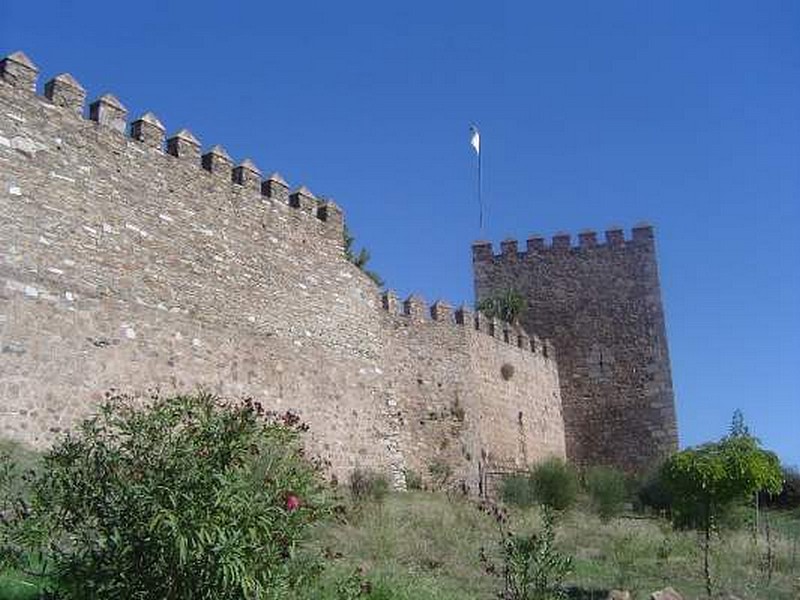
[(600, 303), (130, 265)]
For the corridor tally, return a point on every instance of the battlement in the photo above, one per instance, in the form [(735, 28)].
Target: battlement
[(63, 91), (562, 242), (415, 310)]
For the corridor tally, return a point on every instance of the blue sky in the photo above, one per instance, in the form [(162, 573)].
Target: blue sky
[(682, 113)]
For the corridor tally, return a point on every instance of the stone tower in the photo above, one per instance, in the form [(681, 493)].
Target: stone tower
[(600, 303)]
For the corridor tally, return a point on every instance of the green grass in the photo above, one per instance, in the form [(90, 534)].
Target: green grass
[(15, 586), (424, 546)]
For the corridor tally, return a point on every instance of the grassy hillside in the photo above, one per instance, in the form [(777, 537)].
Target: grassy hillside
[(424, 546)]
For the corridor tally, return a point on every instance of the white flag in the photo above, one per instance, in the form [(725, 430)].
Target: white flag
[(476, 139)]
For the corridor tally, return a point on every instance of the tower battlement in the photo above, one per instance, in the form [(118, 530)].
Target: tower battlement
[(587, 240)]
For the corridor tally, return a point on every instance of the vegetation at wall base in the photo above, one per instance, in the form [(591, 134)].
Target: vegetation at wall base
[(426, 546), (552, 482), (376, 544), (185, 497), (607, 491), (368, 486)]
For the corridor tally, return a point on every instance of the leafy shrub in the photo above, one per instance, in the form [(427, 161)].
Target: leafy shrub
[(532, 567), (518, 490), (555, 483), (366, 485), (606, 488), (789, 496), (508, 305), (440, 473), (413, 480), (653, 492), (184, 497), (18, 464)]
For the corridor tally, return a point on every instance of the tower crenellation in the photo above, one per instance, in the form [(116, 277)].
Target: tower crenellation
[(149, 130), (64, 90), (185, 146), (108, 111), (587, 240)]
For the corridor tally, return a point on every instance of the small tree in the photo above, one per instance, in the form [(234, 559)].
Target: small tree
[(508, 305), (361, 258), (706, 479), (183, 498)]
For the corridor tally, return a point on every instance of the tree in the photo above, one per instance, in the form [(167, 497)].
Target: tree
[(706, 479), (508, 305), (361, 259), (183, 498)]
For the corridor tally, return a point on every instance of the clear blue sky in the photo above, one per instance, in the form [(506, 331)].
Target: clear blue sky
[(682, 113)]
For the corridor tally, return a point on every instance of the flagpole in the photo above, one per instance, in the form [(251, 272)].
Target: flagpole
[(480, 195), (476, 144)]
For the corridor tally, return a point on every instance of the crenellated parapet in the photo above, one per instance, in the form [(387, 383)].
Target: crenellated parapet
[(415, 311), (562, 242), (109, 113)]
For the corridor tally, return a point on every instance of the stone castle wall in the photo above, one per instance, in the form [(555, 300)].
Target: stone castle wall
[(132, 262), (600, 303)]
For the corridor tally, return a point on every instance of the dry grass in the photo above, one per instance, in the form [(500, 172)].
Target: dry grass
[(425, 540)]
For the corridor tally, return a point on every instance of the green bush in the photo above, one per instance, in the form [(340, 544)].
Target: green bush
[(518, 490), (184, 498), (413, 480), (440, 473), (653, 493), (552, 483), (607, 490), (366, 485), (789, 497), (555, 483), (508, 305)]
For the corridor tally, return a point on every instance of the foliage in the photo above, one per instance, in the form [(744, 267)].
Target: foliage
[(652, 492), (183, 497), (518, 490), (789, 496), (361, 258), (508, 305), (606, 488), (532, 567), (707, 479), (413, 480), (366, 485), (440, 472), (555, 483), (426, 546)]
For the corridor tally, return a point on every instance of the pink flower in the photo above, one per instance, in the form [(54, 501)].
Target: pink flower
[(292, 503)]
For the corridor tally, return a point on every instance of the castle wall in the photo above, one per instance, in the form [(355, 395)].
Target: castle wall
[(600, 303), (127, 267), (457, 407), (131, 263)]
